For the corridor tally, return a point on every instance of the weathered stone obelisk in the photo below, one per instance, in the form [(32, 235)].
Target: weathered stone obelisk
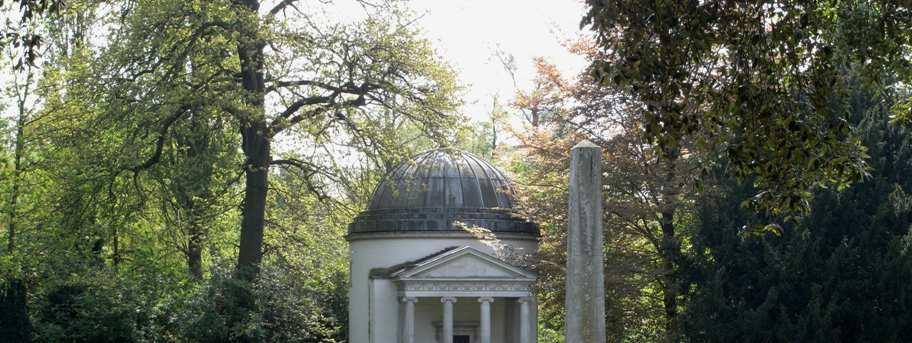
[(585, 297)]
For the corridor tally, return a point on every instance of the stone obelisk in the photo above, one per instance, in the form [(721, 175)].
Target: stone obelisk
[(585, 297)]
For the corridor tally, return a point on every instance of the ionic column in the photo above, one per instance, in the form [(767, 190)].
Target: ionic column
[(485, 319), (408, 334), (525, 330), (448, 318)]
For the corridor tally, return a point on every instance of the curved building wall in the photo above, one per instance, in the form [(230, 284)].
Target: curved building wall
[(369, 251)]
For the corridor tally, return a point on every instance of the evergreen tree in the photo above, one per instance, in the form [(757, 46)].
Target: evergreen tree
[(841, 274)]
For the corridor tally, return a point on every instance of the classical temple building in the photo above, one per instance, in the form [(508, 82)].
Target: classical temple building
[(420, 271)]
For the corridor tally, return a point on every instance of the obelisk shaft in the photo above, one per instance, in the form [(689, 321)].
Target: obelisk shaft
[(585, 297)]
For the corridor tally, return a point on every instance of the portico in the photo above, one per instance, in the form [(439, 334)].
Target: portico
[(465, 275), (474, 332)]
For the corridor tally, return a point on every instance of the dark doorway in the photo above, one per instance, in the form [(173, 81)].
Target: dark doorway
[(461, 339)]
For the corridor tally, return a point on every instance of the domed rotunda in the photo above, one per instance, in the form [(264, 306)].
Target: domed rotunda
[(433, 258)]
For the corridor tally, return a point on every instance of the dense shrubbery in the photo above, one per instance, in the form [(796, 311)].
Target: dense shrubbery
[(287, 309), (108, 308)]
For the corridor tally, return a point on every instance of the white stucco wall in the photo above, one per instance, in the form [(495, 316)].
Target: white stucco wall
[(367, 254)]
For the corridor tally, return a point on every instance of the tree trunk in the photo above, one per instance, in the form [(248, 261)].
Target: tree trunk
[(671, 247), (115, 245), (196, 180), (19, 151), (256, 141), (194, 230), (197, 186), (195, 250), (15, 325), (14, 189), (256, 150), (494, 113)]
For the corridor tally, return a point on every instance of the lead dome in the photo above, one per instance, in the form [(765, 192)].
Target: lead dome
[(437, 189)]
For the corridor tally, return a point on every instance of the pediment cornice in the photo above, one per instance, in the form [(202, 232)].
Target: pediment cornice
[(465, 264)]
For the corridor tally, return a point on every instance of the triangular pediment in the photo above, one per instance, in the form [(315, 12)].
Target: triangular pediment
[(463, 263)]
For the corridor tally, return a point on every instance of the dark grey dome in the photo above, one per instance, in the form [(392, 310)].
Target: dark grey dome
[(444, 178), (438, 188)]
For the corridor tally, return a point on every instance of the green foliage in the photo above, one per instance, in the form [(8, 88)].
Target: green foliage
[(549, 335), (131, 187), (135, 168), (477, 138), (839, 275), (109, 307), (148, 307), (74, 313), (761, 84), (286, 310)]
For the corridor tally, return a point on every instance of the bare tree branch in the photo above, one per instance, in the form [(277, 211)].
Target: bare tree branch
[(160, 142), (281, 84), (309, 170), (281, 7)]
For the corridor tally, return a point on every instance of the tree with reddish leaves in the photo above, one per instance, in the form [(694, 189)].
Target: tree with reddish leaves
[(648, 197)]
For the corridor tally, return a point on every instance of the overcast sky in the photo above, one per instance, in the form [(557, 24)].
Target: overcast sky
[(468, 32)]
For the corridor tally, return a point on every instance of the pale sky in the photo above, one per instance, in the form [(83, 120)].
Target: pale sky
[(468, 32)]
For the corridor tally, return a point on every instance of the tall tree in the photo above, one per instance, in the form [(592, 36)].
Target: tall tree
[(754, 81), (271, 74), (194, 183), (647, 197), (147, 130), (15, 324), (377, 68), (838, 275)]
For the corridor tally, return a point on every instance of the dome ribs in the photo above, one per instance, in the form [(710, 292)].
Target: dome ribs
[(454, 184), (436, 192), (437, 188), (471, 188), (488, 196)]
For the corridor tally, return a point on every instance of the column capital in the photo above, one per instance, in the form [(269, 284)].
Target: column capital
[(522, 300), (448, 299), (486, 299), (408, 299)]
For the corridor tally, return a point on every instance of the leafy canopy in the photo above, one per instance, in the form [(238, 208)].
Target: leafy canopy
[(760, 83)]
